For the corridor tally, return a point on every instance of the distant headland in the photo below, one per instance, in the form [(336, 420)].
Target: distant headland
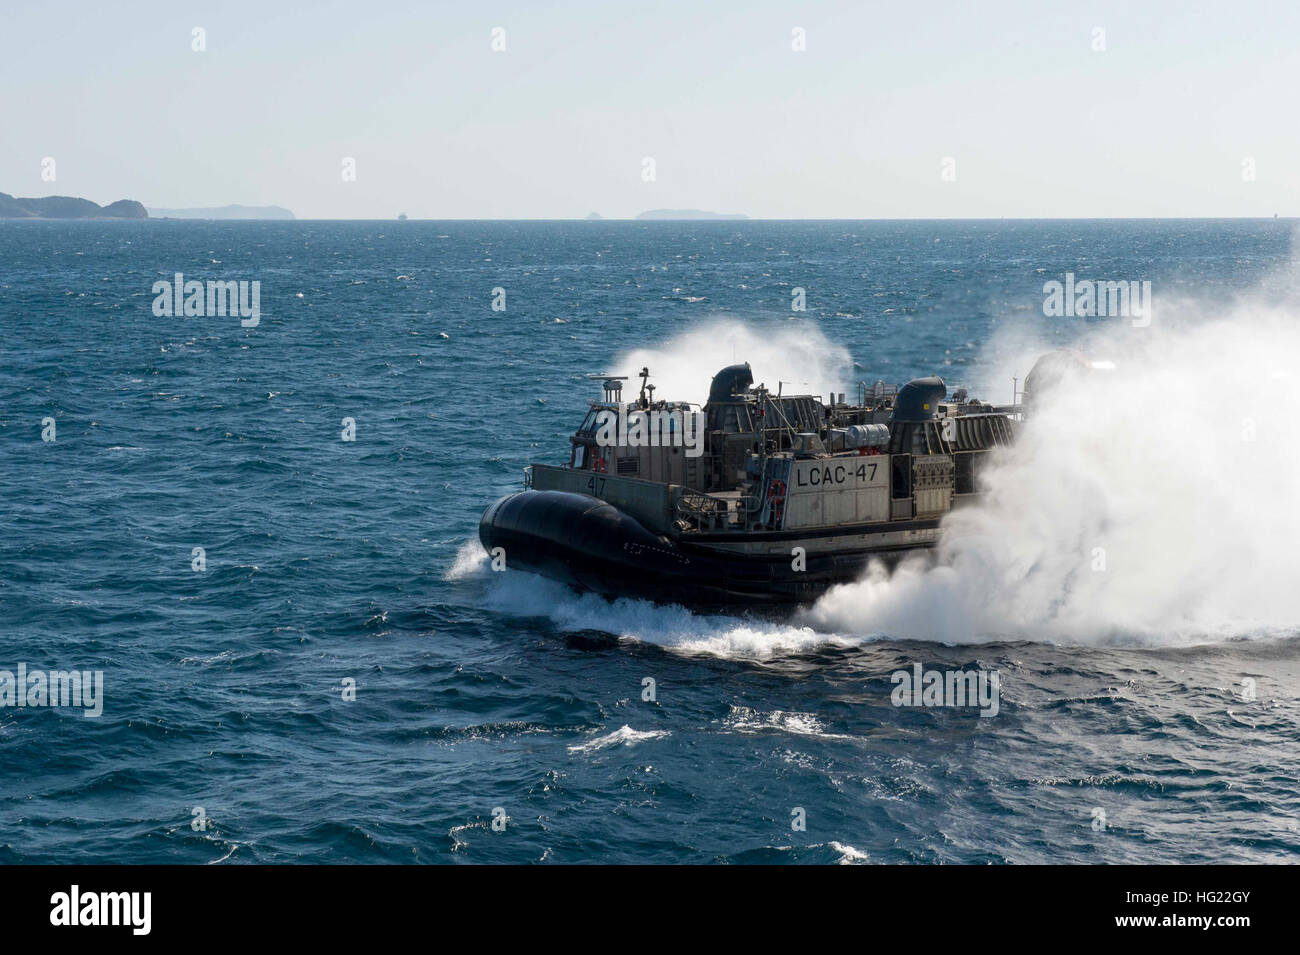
[(67, 207), (224, 212), (689, 214)]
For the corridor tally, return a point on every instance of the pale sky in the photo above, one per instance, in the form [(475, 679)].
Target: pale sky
[(858, 125)]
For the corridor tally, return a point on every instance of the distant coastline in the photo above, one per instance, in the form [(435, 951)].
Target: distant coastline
[(68, 207), (71, 207), (689, 214), (224, 212), (680, 215)]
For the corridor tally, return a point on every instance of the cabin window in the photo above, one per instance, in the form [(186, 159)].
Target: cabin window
[(580, 456)]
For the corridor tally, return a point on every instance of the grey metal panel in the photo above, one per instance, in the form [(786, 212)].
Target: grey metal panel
[(649, 502)]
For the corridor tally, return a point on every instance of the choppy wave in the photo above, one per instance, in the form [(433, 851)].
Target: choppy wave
[(623, 736)]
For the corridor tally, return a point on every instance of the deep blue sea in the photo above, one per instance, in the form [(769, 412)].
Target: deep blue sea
[(225, 735)]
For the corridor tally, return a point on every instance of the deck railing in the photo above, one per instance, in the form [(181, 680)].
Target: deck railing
[(701, 510)]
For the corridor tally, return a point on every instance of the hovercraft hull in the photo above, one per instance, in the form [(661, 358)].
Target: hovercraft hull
[(591, 545)]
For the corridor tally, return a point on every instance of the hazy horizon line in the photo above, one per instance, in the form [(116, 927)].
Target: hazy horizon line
[(720, 221)]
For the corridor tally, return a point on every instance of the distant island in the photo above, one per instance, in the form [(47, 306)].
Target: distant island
[(688, 214), (67, 207), (224, 212)]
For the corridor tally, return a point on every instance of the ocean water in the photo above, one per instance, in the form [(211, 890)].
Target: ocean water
[(1148, 708)]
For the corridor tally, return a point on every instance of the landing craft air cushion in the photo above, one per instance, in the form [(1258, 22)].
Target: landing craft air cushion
[(788, 496)]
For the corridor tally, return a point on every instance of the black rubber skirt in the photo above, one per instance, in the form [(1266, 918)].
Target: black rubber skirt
[(590, 544)]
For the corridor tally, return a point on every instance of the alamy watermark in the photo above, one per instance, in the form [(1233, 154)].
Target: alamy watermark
[(651, 429), (215, 299), (35, 688), (1088, 298), (76, 907), (952, 688)]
